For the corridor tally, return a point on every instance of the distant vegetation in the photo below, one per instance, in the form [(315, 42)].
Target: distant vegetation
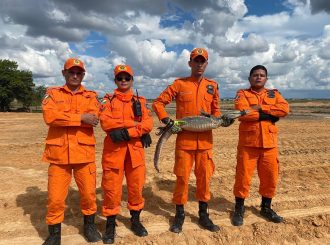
[(17, 90)]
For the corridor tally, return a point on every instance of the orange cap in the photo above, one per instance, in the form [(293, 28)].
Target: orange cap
[(71, 62), (199, 52), (123, 68)]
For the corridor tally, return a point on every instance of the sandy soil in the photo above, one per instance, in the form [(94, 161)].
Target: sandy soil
[(303, 195)]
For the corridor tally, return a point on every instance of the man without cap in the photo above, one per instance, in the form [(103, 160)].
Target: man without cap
[(257, 145), (127, 122), (193, 95), (71, 112)]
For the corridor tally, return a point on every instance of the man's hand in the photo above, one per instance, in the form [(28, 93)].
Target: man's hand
[(175, 128), (256, 107), (167, 120), (146, 140), (226, 121), (267, 117), (89, 118), (119, 135)]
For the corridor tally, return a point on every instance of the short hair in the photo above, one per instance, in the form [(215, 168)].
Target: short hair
[(258, 67)]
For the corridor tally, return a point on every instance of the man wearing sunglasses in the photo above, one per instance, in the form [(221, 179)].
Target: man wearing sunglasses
[(193, 95), (71, 112), (127, 122)]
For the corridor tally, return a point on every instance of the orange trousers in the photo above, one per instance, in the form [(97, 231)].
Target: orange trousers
[(112, 184), (266, 160), (204, 169), (59, 178)]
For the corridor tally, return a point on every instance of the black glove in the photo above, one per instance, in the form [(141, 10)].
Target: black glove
[(167, 120), (171, 123), (119, 135), (146, 140), (267, 117), (226, 122)]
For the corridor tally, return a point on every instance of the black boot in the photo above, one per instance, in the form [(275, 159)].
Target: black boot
[(237, 219), (136, 226), (90, 231), (204, 219), (54, 237), (178, 219), (269, 213), (110, 229)]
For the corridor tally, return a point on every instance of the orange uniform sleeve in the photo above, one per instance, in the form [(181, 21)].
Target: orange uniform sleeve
[(241, 103), (55, 117), (279, 109), (146, 124), (166, 97), (93, 108), (111, 120), (108, 119), (215, 106)]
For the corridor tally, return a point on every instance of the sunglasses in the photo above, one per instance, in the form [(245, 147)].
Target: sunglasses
[(126, 78)]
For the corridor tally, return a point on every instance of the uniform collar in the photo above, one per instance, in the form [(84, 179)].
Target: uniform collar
[(80, 90), (196, 80), (261, 92), (122, 96)]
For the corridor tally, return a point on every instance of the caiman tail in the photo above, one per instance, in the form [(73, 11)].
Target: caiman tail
[(165, 133)]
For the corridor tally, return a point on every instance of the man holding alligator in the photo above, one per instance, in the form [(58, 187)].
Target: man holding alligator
[(193, 95)]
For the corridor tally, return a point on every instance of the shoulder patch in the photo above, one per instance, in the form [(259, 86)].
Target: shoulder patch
[(271, 93), (103, 101), (45, 98), (210, 89)]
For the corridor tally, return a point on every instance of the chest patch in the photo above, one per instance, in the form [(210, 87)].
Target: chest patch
[(210, 89), (271, 94)]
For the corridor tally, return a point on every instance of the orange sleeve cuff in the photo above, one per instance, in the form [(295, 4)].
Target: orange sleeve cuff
[(265, 108), (75, 120), (133, 132)]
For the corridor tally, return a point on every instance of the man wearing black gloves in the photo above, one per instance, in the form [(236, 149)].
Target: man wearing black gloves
[(127, 122), (257, 145)]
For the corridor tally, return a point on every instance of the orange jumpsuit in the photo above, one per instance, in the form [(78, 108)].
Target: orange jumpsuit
[(257, 145), (191, 97), (123, 157), (70, 145)]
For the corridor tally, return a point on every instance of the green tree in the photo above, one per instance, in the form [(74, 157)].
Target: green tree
[(39, 93), (15, 84)]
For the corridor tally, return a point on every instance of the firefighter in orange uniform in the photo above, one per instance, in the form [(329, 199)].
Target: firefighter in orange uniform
[(257, 145), (127, 122), (193, 95), (71, 112)]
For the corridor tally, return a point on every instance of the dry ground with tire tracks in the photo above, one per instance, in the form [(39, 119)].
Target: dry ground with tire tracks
[(303, 195)]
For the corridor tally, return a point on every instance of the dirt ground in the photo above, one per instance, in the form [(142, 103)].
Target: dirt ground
[(303, 195)]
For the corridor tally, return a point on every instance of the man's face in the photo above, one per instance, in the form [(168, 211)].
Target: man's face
[(73, 77), (124, 81), (258, 79), (198, 66)]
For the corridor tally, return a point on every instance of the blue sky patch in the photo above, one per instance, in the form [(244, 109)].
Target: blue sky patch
[(262, 7), (175, 16), (94, 45)]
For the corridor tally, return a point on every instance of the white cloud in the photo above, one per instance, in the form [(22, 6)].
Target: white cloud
[(294, 46)]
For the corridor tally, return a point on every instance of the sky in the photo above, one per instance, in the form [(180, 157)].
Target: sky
[(290, 37)]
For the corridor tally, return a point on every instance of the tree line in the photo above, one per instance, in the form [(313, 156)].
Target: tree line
[(17, 85)]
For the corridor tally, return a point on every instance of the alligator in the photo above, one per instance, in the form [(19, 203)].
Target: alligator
[(201, 123)]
